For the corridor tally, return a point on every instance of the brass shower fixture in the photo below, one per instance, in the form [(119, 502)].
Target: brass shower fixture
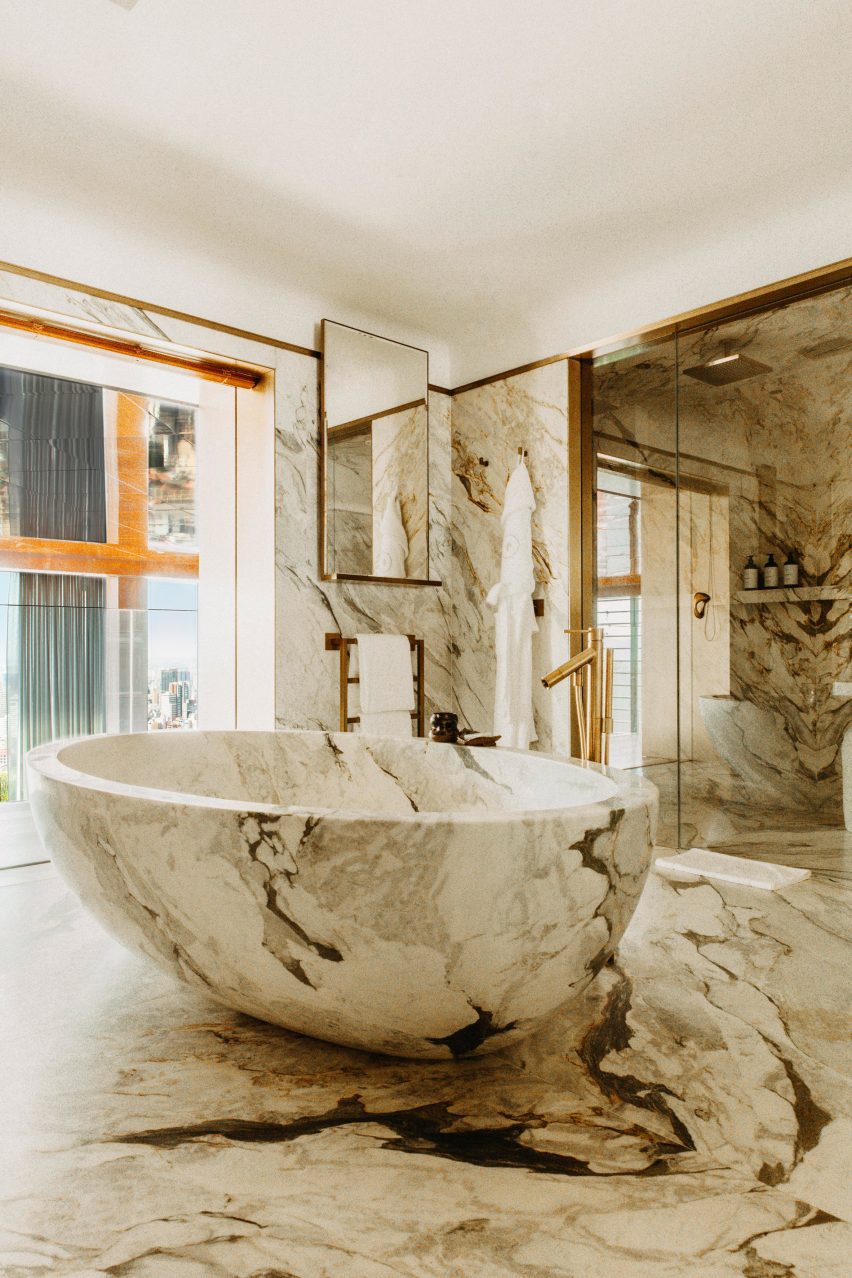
[(700, 600), (727, 368)]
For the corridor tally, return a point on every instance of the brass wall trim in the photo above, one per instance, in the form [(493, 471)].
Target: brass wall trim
[(509, 372), (208, 370), (757, 299), (250, 336), (381, 581)]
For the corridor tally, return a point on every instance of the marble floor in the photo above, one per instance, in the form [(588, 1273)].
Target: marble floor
[(19, 843), (692, 1115)]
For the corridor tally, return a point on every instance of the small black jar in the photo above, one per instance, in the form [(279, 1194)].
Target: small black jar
[(444, 726)]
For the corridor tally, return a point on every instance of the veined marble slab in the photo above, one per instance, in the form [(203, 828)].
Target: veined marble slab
[(689, 1116), (405, 897)]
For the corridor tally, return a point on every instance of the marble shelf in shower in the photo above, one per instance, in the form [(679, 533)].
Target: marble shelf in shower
[(794, 594)]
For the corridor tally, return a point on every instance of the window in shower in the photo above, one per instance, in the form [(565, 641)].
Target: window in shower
[(619, 607)]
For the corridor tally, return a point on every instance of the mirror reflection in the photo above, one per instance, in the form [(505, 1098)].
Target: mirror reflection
[(375, 456)]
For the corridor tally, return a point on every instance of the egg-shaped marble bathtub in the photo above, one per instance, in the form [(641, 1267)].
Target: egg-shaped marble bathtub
[(400, 896)]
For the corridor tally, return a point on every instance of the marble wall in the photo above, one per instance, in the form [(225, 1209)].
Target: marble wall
[(776, 447), (489, 424)]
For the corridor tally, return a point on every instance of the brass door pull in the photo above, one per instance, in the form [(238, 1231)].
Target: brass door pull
[(700, 600)]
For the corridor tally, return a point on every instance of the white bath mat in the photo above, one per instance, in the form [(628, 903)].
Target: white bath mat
[(704, 864)]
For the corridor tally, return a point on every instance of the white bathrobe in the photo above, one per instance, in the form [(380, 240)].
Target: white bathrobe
[(515, 622)]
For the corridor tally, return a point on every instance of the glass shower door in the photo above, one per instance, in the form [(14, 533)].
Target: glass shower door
[(634, 407), (765, 434), (721, 446)]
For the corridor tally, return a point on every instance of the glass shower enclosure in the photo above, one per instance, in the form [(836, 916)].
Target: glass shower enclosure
[(714, 448)]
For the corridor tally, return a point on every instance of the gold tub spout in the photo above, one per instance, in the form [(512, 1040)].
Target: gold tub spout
[(590, 672), (584, 658)]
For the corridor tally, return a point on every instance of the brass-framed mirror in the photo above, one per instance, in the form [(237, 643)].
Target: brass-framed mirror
[(374, 458)]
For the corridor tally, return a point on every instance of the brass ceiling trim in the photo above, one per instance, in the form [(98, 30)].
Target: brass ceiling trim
[(509, 372), (764, 298)]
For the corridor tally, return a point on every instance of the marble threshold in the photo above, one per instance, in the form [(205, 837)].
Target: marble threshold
[(690, 1115)]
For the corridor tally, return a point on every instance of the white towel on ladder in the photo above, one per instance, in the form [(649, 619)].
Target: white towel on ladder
[(386, 684)]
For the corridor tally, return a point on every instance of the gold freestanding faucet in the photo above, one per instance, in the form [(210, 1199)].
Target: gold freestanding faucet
[(590, 672)]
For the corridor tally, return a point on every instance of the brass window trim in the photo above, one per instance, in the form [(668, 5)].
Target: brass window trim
[(206, 369), (129, 556)]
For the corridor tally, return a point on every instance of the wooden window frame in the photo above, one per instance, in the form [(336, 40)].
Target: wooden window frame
[(129, 554)]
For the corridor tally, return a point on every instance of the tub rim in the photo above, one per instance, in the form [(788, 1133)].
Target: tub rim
[(630, 791)]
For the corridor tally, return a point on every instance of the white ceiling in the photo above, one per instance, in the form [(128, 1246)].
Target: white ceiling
[(504, 173)]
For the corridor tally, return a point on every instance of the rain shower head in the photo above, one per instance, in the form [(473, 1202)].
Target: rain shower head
[(727, 368)]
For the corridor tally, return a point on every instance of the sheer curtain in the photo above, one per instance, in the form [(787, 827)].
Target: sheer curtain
[(56, 663), (54, 436)]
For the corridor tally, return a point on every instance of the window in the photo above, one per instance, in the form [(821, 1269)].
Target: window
[(619, 606), (98, 564)]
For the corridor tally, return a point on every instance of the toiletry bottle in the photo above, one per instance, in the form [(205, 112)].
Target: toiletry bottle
[(790, 572), (751, 575), (770, 573)]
